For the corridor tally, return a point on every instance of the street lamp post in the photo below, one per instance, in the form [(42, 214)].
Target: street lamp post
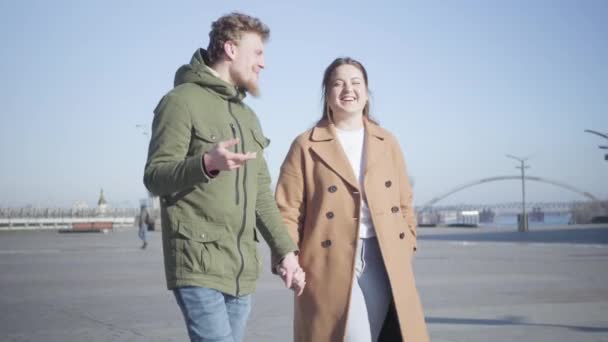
[(603, 136), (143, 129), (146, 133), (523, 223)]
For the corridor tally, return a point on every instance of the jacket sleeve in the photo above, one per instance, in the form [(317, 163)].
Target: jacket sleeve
[(169, 168), (405, 191), (268, 218)]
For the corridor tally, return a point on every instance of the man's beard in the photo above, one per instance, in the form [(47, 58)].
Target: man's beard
[(250, 86)]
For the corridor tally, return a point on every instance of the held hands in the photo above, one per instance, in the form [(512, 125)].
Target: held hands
[(292, 274), (220, 158)]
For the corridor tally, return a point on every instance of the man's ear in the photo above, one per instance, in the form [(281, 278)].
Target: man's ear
[(230, 49)]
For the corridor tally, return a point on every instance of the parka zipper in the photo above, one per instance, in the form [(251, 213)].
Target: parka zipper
[(243, 224), (236, 180)]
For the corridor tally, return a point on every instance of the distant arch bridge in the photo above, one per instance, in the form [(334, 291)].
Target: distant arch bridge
[(432, 202)]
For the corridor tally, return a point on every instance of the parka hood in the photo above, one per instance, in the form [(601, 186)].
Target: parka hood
[(199, 72)]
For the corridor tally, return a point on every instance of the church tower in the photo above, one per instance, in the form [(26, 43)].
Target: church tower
[(102, 204)]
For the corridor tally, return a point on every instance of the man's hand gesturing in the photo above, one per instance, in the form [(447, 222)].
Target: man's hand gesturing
[(220, 158)]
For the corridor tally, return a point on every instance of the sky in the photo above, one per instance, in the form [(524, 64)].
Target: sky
[(459, 83)]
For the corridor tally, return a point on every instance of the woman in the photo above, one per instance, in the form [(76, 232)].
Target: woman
[(345, 196)]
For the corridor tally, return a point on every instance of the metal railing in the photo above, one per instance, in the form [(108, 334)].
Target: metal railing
[(12, 213)]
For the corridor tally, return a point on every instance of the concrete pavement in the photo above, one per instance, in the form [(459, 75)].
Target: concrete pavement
[(476, 285)]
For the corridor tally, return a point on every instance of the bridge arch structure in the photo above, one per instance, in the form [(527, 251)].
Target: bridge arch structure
[(436, 199)]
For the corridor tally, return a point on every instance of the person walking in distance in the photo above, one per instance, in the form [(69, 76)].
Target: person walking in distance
[(143, 221)]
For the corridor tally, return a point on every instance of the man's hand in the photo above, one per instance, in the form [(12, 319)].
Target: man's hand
[(292, 274), (220, 158)]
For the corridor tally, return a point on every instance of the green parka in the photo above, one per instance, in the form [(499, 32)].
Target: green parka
[(209, 224)]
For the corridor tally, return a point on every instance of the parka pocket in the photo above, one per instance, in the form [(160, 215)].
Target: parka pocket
[(209, 135), (204, 138), (198, 245), (260, 139)]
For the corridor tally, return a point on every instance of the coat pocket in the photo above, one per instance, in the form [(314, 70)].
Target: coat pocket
[(199, 247), (408, 235)]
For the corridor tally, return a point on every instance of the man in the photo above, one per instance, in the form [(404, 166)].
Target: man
[(206, 162)]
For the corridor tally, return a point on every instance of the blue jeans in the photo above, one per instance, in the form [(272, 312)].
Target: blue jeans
[(212, 316), (370, 296), (142, 232)]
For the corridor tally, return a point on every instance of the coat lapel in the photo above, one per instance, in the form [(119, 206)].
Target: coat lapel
[(375, 147), (327, 146)]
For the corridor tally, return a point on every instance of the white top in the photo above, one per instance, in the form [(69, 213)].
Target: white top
[(352, 144)]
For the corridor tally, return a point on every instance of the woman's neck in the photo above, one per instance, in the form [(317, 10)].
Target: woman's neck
[(348, 121)]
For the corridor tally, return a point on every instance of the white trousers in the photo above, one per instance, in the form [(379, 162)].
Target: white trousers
[(370, 296)]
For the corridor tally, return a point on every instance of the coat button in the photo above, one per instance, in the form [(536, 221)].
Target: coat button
[(332, 189), (330, 215), (202, 236), (394, 209), (213, 137), (402, 235), (326, 243), (388, 184)]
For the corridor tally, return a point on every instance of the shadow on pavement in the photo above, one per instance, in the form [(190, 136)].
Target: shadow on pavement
[(510, 320), (574, 235)]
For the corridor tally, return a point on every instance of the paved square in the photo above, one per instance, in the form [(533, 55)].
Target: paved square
[(483, 284)]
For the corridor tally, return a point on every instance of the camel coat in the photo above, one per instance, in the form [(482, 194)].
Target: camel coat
[(319, 199)]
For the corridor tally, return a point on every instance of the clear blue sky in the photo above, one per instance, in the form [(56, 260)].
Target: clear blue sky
[(460, 83)]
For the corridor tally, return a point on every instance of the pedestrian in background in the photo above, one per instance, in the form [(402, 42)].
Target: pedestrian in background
[(143, 220)]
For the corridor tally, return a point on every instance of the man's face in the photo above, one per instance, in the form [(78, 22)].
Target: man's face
[(247, 62)]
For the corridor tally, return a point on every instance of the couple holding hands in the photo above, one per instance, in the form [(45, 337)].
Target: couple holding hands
[(341, 225)]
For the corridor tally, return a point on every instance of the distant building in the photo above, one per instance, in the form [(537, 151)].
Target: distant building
[(468, 217), (487, 216), (537, 215), (80, 205), (102, 204)]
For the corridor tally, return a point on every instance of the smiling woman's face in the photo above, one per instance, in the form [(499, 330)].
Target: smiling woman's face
[(347, 91)]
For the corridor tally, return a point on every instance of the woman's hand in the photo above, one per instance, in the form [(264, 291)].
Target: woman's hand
[(299, 281)]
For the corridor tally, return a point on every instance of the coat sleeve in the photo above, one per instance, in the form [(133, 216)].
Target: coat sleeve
[(268, 218), (405, 191), (169, 168), (290, 191)]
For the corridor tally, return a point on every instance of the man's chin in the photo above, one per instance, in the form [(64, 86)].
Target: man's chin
[(253, 89)]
